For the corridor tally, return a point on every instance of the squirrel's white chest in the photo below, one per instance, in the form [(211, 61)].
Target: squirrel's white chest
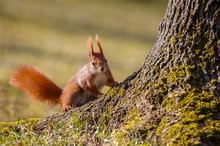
[(100, 81)]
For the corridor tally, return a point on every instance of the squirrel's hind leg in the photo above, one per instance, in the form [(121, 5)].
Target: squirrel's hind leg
[(70, 97)]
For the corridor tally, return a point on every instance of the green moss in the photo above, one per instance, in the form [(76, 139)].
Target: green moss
[(193, 107), (177, 75), (12, 132), (121, 136), (169, 102), (121, 91), (162, 125), (104, 119), (180, 134), (195, 119), (116, 91), (211, 132), (133, 120)]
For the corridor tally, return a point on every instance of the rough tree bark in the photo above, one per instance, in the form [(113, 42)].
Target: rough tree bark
[(174, 98)]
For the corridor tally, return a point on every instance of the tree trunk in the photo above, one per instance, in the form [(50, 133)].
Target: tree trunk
[(174, 98)]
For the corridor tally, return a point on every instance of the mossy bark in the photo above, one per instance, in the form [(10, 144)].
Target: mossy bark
[(174, 98)]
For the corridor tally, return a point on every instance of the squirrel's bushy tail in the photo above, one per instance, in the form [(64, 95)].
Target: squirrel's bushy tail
[(35, 84)]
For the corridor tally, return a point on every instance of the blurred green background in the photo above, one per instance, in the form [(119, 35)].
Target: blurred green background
[(51, 35)]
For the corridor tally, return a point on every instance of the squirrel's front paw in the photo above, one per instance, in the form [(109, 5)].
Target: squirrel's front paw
[(66, 108)]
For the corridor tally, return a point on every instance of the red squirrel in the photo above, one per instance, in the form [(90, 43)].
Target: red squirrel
[(84, 86)]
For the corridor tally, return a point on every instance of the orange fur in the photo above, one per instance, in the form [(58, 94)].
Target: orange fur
[(85, 86), (35, 84)]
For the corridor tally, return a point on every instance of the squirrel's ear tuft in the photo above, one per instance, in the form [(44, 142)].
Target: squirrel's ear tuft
[(98, 43), (90, 45)]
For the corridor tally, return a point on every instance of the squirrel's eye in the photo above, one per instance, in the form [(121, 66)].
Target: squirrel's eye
[(93, 63)]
